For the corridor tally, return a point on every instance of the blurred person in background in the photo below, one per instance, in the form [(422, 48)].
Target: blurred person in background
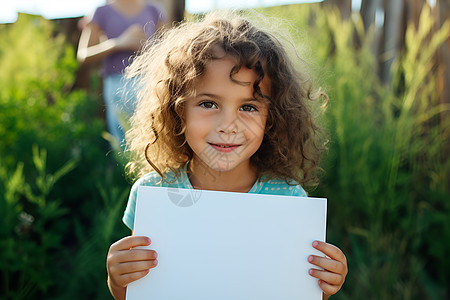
[(112, 36)]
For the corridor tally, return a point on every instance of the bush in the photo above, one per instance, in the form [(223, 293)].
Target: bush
[(49, 229), (30, 234)]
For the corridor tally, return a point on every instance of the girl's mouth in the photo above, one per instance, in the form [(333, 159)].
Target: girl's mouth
[(225, 147)]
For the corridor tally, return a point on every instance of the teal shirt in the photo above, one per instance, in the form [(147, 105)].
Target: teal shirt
[(261, 186)]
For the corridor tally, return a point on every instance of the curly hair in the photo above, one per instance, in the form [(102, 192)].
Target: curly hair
[(166, 71)]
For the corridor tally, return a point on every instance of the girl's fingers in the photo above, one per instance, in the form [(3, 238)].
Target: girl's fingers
[(328, 277), (126, 264), (334, 265), (130, 242), (125, 279), (134, 267), (123, 252), (330, 250), (328, 264), (123, 256), (327, 288), (135, 255)]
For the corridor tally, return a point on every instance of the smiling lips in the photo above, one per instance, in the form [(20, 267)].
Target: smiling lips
[(225, 148)]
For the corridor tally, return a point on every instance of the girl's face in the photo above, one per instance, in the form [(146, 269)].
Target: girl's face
[(224, 123)]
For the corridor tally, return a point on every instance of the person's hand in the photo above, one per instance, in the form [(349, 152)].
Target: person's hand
[(126, 264), (334, 266), (131, 39)]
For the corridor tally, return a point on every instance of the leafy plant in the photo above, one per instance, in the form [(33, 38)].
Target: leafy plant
[(48, 211), (87, 278), (30, 237)]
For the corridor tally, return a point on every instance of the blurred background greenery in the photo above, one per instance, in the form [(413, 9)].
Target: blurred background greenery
[(63, 192)]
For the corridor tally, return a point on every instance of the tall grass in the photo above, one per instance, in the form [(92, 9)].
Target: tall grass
[(387, 173)]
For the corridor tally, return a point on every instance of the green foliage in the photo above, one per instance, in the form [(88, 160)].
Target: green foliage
[(30, 237), (87, 278), (386, 170), (55, 218)]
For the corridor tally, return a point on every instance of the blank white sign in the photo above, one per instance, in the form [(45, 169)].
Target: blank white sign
[(222, 245)]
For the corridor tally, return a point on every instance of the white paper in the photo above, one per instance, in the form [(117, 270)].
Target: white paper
[(222, 245)]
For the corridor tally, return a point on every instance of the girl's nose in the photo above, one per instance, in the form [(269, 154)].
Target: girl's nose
[(228, 123)]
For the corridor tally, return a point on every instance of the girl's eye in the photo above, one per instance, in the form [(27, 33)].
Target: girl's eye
[(208, 104), (248, 107)]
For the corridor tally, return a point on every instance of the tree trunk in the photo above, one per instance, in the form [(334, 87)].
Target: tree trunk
[(178, 10), (394, 32), (345, 7), (174, 9), (368, 10), (442, 11)]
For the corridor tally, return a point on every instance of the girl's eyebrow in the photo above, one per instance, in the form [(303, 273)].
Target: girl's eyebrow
[(207, 95), (210, 95)]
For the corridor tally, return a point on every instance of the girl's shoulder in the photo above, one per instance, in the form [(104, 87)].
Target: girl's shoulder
[(277, 186), (149, 179), (171, 179)]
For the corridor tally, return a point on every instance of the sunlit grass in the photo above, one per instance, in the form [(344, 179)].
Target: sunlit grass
[(386, 170)]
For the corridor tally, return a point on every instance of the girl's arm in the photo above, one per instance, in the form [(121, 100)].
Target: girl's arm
[(126, 264), (94, 46)]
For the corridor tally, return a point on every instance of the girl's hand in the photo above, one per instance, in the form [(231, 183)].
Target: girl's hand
[(334, 265), (126, 264)]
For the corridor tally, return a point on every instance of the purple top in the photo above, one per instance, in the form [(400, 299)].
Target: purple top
[(113, 24)]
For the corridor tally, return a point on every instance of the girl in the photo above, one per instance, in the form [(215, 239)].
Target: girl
[(220, 107)]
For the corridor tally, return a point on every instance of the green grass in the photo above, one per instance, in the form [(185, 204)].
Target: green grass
[(386, 169)]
